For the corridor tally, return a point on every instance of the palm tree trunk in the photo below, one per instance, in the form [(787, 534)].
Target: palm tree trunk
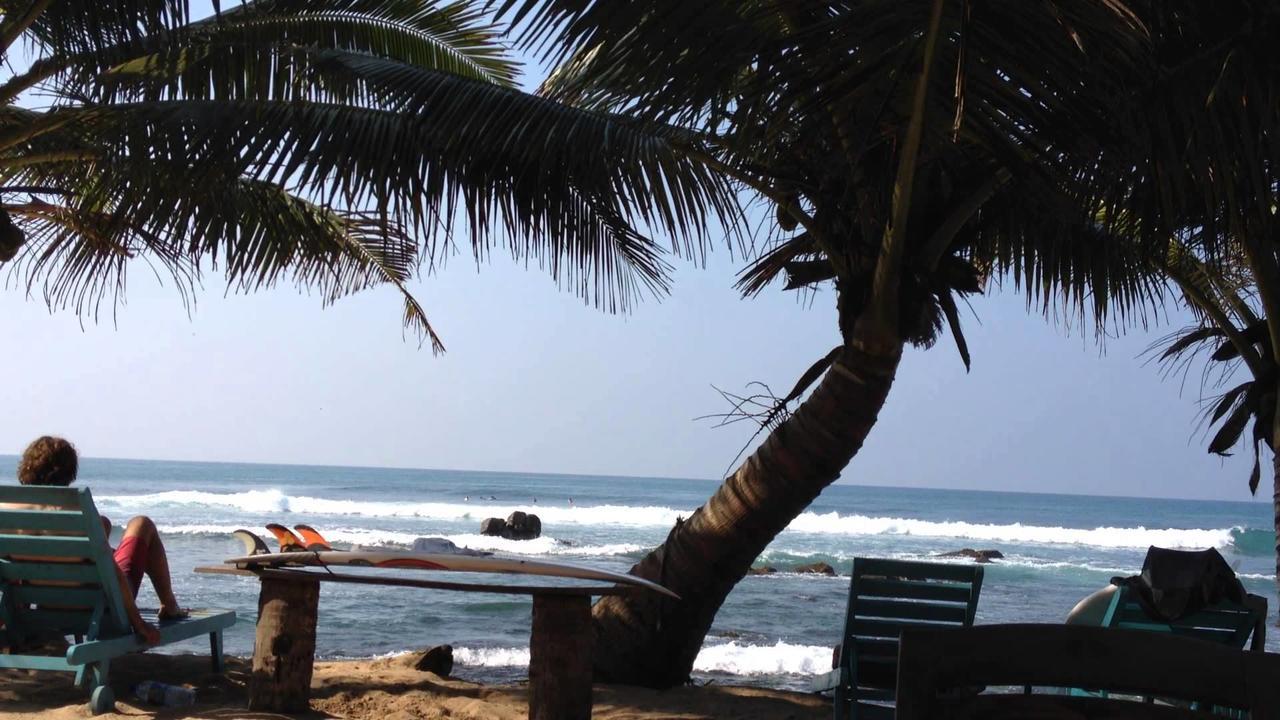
[(1275, 496), (652, 640)]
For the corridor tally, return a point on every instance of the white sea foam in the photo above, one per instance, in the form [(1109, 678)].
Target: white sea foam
[(781, 658), (1116, 537), (274, 503), (544, 545), (729, 658), (491, 657)]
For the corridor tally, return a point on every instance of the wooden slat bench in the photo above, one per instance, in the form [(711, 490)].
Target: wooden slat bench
[(937, 665)]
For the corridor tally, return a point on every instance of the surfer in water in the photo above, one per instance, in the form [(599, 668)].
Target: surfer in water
[(54, 461)]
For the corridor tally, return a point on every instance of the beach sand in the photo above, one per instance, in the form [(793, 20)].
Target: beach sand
[(386, 689)]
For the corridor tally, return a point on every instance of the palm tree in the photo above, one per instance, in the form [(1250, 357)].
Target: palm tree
[(1210, 176), (912, 150), (1226, 300), (337, 143)]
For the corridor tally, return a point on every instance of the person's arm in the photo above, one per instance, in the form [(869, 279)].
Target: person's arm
[(148, 631)]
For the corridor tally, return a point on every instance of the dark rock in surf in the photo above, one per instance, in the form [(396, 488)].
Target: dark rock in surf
[(535, 525), (762, 570), (438, 659), (518, 526), (979, 556), (443, 546), (493, 527), (522, 526), (820, 568)]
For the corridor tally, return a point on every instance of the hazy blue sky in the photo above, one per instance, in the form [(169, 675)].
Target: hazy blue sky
[(535, 381)]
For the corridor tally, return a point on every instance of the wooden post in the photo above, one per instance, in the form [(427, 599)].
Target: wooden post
[(284, 647), (560, 658)]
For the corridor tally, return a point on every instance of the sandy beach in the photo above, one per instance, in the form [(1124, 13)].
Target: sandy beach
[(386, 689)]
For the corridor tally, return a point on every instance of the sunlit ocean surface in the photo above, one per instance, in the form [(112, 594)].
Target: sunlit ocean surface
[(774, 630)]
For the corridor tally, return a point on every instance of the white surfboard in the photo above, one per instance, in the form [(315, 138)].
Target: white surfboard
[(437, 561)]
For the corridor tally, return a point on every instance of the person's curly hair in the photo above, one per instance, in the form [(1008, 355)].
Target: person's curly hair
[(49, 461)]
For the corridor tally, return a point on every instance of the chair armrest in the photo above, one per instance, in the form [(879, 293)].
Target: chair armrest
[(826, 681)]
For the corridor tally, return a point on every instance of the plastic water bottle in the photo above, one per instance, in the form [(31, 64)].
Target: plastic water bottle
[(158, 693)]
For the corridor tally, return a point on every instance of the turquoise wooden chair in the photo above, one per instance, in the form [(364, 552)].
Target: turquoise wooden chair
[(1228, 623), (886, 596), (58, 579), (939, 666)]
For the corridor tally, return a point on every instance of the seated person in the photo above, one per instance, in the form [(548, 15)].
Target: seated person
[(1092, 609), (53, 461), (1172, 585)]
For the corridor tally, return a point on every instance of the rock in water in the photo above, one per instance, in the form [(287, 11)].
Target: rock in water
[(517, 526), (444, 546), (522, 526), (762, 570), (438, 659), (494, 527), (979, 556), (820, 568)]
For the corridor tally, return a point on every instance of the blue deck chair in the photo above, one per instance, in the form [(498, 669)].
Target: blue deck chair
[(58, 579), (1227, 622), (886, 596)]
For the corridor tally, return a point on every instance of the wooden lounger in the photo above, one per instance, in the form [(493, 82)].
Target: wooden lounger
[(936, 662), (885, 597), (58, 578)]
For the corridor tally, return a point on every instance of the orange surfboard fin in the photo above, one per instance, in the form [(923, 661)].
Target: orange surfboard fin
[(288, 541), (313, 539)]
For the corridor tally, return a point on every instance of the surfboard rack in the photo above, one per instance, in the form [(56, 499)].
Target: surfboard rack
[(560, 643), (264, 571)]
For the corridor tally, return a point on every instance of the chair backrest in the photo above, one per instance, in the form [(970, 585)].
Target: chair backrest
[(936, 665), (57, 574), (1227, 622), (887, 596)]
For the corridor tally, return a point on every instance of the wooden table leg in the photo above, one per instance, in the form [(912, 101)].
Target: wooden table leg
[(560, 658), (284, 647)]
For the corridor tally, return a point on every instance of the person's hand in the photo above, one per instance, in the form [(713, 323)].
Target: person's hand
[(148, 632)]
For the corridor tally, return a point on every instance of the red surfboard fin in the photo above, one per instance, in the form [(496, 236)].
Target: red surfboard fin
[(288, 541), (314, 540)]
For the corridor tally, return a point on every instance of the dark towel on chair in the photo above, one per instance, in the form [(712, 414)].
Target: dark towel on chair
[(1177, 583)]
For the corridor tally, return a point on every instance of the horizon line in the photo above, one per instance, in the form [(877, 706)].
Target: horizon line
[(837, 483)]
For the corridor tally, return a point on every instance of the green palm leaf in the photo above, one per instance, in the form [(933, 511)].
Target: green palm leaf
[(253, 51), (381, 129)]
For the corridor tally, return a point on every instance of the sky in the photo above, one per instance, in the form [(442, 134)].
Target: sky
[(536, 381), (533, 380)]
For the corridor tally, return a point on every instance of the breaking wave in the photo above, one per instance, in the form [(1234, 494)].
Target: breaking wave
[(731, 658), (544, 545), (273, 503)]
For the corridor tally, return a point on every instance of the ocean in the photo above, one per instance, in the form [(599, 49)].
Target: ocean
[(774, 630)]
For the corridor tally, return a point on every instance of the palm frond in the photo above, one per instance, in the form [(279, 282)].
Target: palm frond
[(448, 149), (87, 27), (262, 50)]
